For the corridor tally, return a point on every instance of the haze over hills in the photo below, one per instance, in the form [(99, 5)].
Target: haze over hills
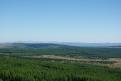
[(92, 44), (57, 44), (29, 45)]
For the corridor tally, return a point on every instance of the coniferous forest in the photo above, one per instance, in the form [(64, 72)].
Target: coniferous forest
[(20, 69), (14, 66)]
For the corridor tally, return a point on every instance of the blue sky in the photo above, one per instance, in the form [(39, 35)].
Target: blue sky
[(60, 20)]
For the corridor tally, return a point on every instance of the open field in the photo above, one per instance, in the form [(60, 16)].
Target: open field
[(110, 62)]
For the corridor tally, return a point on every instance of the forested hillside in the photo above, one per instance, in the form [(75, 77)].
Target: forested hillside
[(17, 63), (18, 69)]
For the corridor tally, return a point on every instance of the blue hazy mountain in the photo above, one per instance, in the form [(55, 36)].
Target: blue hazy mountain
[(57, 44), (91, 44), (29, 45)]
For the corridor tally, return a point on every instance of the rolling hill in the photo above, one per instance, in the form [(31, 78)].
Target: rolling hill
[(58, 49), (30, 45)]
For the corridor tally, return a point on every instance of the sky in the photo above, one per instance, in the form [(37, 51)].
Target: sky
[(60, 20)]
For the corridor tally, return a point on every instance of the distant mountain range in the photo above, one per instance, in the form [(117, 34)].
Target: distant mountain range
[(29, 45), (56, 45), (91, 44)]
